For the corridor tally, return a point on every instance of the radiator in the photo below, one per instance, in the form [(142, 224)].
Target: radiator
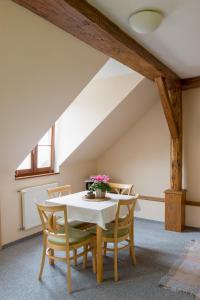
[(29, 196)]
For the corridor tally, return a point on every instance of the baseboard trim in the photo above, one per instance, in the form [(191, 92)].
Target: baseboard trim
[(148, 220), (151, 198), (21, 240), (192, 228), (161, 222), (160, 199), (192, 203)]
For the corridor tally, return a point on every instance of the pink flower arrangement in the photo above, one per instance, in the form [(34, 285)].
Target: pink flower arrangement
[(100, 178), (100, 182)]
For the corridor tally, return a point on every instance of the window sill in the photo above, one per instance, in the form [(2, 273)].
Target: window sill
[(37, 175)]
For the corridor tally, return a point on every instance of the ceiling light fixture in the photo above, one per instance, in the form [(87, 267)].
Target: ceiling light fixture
[(145, 21)]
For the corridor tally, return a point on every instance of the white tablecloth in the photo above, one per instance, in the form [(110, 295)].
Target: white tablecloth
[(98, 213)]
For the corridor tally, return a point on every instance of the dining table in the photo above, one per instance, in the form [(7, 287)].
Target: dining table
[(95, 212)]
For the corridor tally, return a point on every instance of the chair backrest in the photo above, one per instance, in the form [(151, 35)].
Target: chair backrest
[(127, 221), (59, 191), (48, 214), (121, 188)]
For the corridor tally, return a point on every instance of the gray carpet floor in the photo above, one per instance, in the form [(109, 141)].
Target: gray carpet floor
[(156, 250)]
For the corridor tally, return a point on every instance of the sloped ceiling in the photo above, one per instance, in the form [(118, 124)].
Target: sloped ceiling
[(131, 109), (91, 107), (113, 68), (43, 69), (176, 42)]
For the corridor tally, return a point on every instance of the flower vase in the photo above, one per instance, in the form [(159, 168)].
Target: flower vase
[(100, 193)]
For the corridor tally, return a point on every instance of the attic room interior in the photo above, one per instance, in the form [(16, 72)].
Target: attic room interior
[(100, 118)]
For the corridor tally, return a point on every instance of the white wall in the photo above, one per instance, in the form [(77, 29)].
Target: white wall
[(116, 124), (191, 101), (191, 126), (99, 98), (142, 157), (73, 174), (42, 70)]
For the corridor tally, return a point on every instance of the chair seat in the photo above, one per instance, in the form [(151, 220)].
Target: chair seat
[(109, 233), (71, 223), (75, 236)]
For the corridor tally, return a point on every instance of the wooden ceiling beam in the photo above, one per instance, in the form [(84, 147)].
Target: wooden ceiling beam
[(86, 23), (167, 107), (190, 83)]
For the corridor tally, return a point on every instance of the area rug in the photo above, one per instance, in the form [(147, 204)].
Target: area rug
[(184, 276)]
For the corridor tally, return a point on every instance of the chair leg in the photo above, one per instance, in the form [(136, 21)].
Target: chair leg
[(94, 262), (105, 248), (115, 262), (51, 261), (43, 259), (75, 256), (69, 284), (132, 249), (85, 248), (132, 254)]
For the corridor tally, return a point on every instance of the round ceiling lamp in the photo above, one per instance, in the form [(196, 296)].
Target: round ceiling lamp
[(145, 21)]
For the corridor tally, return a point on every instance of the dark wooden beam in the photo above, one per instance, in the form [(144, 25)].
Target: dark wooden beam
[(190, 83), (82, 20), (167, 106), (176, 142), (175, 197)]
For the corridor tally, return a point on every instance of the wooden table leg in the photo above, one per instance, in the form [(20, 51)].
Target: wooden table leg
[(99, 254), (51, 261), (52, 225)]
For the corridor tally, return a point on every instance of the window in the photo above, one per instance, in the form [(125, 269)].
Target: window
[(41, 159)]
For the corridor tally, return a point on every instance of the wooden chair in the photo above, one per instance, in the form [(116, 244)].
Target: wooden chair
[(63, 240), (121, 188), (59, 221), (58, 192), (121, 230)]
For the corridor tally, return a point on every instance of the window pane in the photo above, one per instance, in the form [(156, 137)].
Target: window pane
[(46, 139), (26, 164), (44, 157)]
